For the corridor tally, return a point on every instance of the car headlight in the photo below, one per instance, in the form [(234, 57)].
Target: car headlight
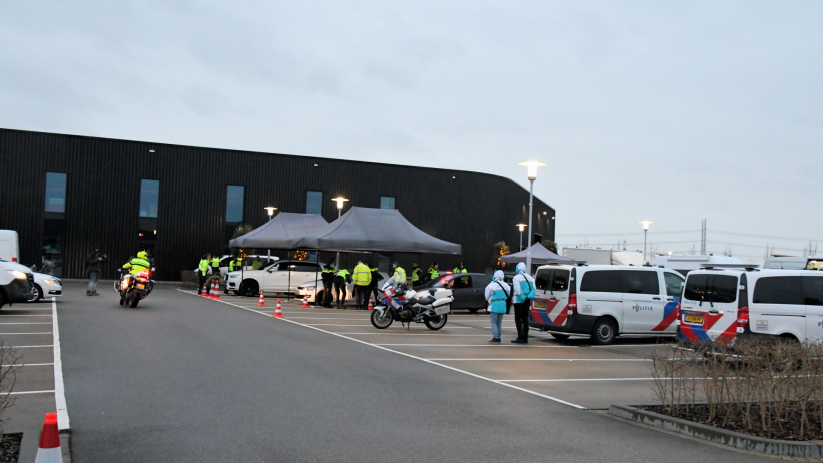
[(309, 288), (58, 282), (48, 282), (234, 277), (17, 274)]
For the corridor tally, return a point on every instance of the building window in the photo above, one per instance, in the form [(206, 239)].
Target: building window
[(314, 202), (387, 202), (55, 192), (234, 203), (149, 197)]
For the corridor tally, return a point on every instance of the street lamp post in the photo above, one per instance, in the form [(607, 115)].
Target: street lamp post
[(339, 200), (645, 224), (521, 227), (532, 172), (269, 210)]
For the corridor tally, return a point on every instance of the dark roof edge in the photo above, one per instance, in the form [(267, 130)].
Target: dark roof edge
[(265, 153)]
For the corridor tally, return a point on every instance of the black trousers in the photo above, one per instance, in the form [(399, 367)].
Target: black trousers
[(373, 291), (361, 296), (202, 285), (521, 319), (340, 291), (327, 295)]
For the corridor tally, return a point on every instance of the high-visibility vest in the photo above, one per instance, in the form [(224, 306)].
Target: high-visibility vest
[(399, 275), (416, 274), (137, 265), (361, 275), (434, 273), (203, 266), (457, 270), (215, 262)]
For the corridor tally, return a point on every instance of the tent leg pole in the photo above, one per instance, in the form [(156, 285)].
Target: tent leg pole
[(288, 285)]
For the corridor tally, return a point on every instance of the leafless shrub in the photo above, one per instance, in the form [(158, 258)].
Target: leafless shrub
[(768, 388), (8, 377)]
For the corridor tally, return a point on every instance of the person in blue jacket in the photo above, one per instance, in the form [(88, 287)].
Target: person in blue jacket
[(523, 284), (497, 294)]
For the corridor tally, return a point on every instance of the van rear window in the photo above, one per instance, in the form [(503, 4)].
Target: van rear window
[(560, 280), (541, 280), (711, 288)]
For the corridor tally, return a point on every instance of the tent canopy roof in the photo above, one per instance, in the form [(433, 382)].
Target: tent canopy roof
[(374, 230), (279, 232), (540, 255)]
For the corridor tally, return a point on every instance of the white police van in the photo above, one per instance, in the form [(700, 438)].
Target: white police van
[(605, 301), (721, 305)]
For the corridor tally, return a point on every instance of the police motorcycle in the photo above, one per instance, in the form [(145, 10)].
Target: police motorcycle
[(134, 288), (399, 302)]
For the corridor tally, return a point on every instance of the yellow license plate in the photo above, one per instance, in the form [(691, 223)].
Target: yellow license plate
[(540, 304), (696, 319), (141, 286)]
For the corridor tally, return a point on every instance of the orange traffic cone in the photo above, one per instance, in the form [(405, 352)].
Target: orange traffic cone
[(261, 302), (371, 306), (49, 450), (216, 295), (305, 302), (277, 312), (205, 292)]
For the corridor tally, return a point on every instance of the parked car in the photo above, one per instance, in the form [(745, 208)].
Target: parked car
[(279, 276), (723, 305), (45, 286), (468, 289), (605, 301), (15, 283)]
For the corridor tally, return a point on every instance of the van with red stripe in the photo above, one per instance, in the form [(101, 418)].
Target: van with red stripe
[(605, 301), (721, 305)]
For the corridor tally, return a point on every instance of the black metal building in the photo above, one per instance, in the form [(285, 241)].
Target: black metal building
[(65, 193)]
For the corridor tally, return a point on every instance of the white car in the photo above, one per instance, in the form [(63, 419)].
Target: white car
[(277, 277), (605, 301), (45, 286), (315, 291)]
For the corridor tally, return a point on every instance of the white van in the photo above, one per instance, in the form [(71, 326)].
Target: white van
[(9, 247), (721, 305), (605, 301)]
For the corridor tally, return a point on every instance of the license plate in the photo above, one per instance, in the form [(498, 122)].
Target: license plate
[(139, 286), (540, 304), (694, 319), (442, 309)]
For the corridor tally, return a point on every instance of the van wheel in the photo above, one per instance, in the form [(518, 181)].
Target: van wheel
[(604, 332), (561, 337)]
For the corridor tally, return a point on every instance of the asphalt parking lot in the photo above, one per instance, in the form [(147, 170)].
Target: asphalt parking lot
[(30, 329), (573, 372)]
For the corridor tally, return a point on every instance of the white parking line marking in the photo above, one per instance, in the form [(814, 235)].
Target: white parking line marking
[(23, 347), (26, 310), (38, 323), (31, 392), (541, 360), (12, 315), (59, 391), (571, 380), (529, 346), (424, 334), (7, 334), (411, 356), (30, 364)]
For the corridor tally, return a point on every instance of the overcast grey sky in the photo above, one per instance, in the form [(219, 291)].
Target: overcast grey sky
[(667, 111)]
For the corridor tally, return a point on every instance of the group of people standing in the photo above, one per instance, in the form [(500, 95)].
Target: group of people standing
[(363, 277), (210, 263), (501, 297)]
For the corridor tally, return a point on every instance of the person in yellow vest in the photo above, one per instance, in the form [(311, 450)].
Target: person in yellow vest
[(434, 271), (138, 264), (202, 269), (416, 275), (215, 265), (399, 274), (361, 279), (460, 269), (340, 279), (257, 265)]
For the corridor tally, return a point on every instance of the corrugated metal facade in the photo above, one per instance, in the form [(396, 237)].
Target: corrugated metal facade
[(473, 209)]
